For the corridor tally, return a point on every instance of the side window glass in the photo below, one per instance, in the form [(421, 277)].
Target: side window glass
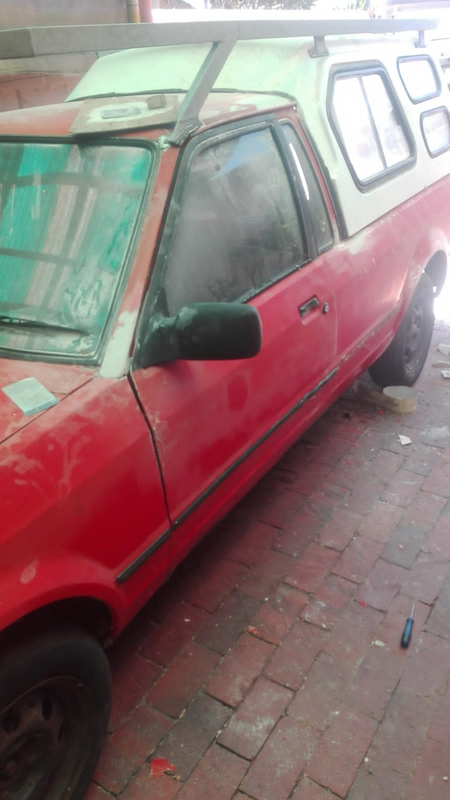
[(446, 71), (419, 78), (237, 229), (319, 213), (394, 144), (356, 131), (436, 130), (368, 125)]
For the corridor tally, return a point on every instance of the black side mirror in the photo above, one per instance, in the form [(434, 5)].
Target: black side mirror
[(207, 332)]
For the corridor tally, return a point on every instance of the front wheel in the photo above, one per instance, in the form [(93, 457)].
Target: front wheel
[(55, 690), (403, 361)]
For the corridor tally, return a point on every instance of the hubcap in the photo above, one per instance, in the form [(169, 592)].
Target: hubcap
[(413, 339), (44, 741)]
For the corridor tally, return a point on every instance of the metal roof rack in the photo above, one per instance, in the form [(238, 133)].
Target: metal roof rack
[(221, 34), (59, 40)]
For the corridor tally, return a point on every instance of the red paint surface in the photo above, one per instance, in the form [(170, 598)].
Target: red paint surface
[(81, 498), (60, 379), (207, 415), (86, 487), (57, 119), (158, 766)]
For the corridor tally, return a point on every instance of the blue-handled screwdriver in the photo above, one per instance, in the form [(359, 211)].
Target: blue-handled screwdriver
[(406, 635)]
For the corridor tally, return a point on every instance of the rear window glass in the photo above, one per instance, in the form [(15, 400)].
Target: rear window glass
[(419, 78), (68, 214), (369, 127), (436, 130)]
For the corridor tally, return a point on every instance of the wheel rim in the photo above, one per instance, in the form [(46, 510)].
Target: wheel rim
[(414, 336), (44, 741)]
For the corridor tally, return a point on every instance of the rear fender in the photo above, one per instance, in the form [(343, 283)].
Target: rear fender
[(431, 249)]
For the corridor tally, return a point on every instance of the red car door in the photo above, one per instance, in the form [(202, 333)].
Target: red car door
[(235, 233)]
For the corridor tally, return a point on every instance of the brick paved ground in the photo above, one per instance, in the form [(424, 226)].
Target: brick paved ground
[(269, 667)]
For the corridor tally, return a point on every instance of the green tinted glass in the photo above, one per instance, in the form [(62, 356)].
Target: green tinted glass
[(67, 216)]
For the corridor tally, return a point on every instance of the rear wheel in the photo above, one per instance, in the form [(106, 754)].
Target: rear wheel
[(403, 361), (54, 710)]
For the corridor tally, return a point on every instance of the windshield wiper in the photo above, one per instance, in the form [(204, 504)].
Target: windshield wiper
[(35, 324)]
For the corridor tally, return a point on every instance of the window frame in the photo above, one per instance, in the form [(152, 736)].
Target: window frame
[(424, 57), (177, 199), (185, 170), (96, 358), (428, 113), (154, 307), (314, 171), (370, 68)]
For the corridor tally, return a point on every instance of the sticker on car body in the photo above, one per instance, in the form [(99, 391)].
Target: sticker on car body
[(30, 396)]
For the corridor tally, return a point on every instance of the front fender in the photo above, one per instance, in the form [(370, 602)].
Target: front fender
[(80, 500), (39, 584)]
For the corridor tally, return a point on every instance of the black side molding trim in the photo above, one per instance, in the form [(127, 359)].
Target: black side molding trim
[(131, 569), (211, 488)]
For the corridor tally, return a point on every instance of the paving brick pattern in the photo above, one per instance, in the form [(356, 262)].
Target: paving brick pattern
[(269, 666)]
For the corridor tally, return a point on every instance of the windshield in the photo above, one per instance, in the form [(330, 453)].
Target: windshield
[(67, 216)]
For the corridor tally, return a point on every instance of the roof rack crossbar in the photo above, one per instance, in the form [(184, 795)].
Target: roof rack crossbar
[(65, 39)]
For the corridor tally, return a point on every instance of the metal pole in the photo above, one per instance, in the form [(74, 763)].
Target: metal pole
[(146, 10), (133, 11)]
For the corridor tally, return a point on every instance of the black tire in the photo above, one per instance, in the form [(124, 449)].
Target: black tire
[(55, 690), (403, 361)]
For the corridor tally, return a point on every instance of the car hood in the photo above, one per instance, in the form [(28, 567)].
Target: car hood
[(59, 379)]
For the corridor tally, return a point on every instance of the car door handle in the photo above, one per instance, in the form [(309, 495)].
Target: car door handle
[(310, 305)]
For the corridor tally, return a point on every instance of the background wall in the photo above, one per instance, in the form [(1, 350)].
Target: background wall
[(31, 82), (18, 13), (35, 89)]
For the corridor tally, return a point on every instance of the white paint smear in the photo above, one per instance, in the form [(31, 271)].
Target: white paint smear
[(29, 572), (115, 363)]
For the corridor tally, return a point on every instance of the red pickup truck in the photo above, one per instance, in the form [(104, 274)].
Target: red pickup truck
[(181, 296)]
